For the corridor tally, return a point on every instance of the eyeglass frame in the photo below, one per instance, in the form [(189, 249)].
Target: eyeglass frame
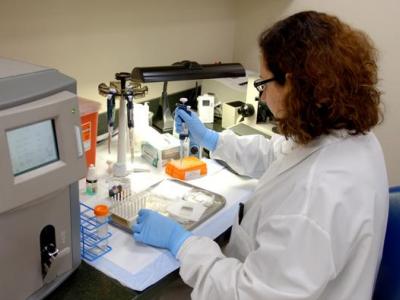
[(260, 84)]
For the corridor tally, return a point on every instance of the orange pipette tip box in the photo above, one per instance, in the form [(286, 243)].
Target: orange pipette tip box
[(191, 168)]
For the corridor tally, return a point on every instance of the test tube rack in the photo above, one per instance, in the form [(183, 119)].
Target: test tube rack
[(125, 207), (91, 248)]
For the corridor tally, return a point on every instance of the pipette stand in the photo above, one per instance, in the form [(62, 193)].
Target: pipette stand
[(122, 87)]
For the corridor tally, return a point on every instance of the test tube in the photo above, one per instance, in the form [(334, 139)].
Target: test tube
[(101, 212)]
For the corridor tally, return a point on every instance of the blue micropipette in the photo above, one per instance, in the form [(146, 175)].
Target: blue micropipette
[(185, 130)]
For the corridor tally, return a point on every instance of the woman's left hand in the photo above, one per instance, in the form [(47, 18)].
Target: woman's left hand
[(157, 230)]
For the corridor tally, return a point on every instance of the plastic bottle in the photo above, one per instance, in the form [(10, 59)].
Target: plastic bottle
[(101, 212), (91, 180)]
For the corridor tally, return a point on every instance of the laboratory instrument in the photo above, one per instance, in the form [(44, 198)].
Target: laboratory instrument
[(110, 114), (198, 133), (129, 106), (42, 160), (230, 113), (126, 90), (184, 134), (188, 147), (183, 70), (235, 95), (205, 108)]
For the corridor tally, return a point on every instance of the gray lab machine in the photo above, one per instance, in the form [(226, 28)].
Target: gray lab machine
[(41, 161)]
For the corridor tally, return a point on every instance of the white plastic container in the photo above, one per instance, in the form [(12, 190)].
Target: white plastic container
[(101, 212)]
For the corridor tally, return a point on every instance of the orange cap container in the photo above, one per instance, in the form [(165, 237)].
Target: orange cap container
[(191, 168), (101, 210)]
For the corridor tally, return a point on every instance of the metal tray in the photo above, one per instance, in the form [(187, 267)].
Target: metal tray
[(159, 204)]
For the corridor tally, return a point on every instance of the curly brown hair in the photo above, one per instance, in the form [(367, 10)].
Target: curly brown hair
[(333, 75)]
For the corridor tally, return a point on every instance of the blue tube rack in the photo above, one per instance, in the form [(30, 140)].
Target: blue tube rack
[(90, 249)]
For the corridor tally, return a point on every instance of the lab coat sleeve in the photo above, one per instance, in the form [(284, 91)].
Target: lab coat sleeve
[(248, 155), (293, 261)]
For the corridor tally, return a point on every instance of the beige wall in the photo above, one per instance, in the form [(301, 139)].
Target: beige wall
[(92, 40), (380, 19)]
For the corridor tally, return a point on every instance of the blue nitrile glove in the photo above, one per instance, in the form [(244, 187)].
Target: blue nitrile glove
[(198, 133), (159, 231)]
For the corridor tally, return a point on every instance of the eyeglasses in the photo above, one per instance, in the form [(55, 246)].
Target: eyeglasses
[(260, 84)]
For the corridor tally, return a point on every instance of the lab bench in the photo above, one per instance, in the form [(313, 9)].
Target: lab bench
[(87, 282)]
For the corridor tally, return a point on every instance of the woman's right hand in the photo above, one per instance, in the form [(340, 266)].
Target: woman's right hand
[(198, 133)]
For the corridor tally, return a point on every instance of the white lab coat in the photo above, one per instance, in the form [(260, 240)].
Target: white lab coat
[(314, 228)]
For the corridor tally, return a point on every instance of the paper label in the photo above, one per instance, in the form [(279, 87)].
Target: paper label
[(192, 174), (86, 134)]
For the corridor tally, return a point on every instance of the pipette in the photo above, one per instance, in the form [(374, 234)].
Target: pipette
[(110, 115), (185, 130), (129, 106)]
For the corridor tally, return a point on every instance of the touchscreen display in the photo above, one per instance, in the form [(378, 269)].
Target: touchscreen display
[(32, 146)]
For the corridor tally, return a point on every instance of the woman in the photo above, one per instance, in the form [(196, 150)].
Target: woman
[(315, 226)]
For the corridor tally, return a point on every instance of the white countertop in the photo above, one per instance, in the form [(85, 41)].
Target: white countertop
[(138, 266)]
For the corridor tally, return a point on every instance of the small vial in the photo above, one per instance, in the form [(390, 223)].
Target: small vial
[(101, 212), (109, 167), (91, 180)]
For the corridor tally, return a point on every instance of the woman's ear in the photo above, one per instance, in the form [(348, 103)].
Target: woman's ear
[(288, 82), (288, 79)]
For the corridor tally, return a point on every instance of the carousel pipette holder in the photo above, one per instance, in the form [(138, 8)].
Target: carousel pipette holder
[(93, 245)]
